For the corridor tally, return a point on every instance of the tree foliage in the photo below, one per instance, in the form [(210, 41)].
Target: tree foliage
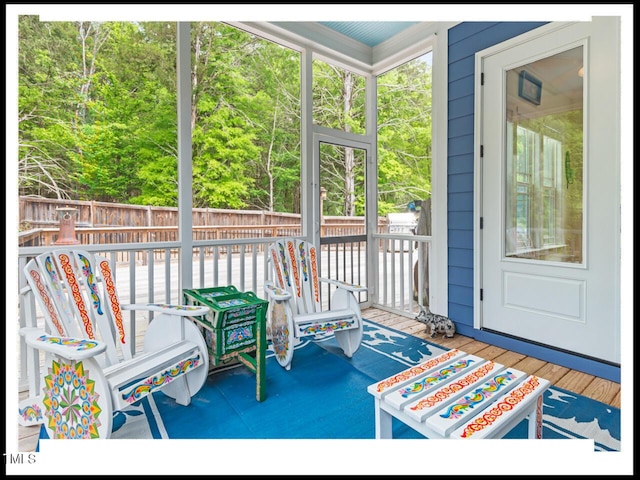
[(404, 135), (97, 119)]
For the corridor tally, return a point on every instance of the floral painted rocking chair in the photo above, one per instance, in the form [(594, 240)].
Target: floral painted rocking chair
[(295, 309), (87, 349)]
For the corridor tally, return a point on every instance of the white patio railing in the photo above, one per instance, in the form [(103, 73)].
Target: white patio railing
[(149, 272)]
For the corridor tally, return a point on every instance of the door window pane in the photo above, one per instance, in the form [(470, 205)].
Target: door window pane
[(544, 171)]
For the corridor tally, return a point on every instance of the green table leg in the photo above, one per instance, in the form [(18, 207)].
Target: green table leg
[(261, 348)]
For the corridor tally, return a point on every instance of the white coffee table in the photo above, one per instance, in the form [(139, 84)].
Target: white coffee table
[(457, 395)]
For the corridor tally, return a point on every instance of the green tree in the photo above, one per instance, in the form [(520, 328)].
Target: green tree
[(274, 110), (404, 136), (97, 110), (46, 106), (130, 126), (223, 140)]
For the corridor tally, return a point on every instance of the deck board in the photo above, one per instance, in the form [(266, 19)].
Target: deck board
[(602, 389)]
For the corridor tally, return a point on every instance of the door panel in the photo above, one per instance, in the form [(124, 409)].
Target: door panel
[(550, 243), (540, 295)]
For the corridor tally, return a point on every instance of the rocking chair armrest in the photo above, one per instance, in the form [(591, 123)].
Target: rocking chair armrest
[(67, 347), (276, 293), (179, 310), (347, 286)]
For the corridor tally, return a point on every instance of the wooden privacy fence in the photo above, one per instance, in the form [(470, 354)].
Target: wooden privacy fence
[(100, 223), (43, 213)]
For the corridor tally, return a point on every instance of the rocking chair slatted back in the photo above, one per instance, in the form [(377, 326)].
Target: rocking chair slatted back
[(81, 298), (296, 271), (60, 324)]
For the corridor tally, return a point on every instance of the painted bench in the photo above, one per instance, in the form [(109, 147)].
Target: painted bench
[(457, 395)]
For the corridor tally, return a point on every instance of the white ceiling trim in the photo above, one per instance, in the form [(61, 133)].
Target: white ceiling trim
[(346, 52), (329, 38), (406, 45), (298, 40)]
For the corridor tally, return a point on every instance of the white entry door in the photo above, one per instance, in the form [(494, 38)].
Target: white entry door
[(550, 189)]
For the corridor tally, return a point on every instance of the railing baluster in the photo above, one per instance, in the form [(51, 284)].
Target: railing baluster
[(229, 266), (420, 278), (254, 270), (151, 265), (241, 285), (132, 295), (412, 264), (216, 258), (393, 275), (383, 296), (167, 275), (201, 265)]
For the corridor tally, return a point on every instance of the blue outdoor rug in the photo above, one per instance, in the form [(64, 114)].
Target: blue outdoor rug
[(324, 396)]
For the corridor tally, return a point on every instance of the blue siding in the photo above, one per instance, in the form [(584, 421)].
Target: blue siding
[(461, 276), (459, 202), (465, 40), (461, 68), (461, 87), (460, 239), (458, 310), (467, 29), (461, 145), (462, 126), (459, 257), (461, 183), (460, 106), (460, 164), (463, 292)]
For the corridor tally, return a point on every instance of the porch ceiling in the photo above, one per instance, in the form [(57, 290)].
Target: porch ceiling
[(372, 46), (369, 33)]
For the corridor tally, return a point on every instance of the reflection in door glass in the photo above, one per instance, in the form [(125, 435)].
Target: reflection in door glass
[(544, 159)]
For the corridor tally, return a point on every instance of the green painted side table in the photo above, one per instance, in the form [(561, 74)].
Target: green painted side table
[(234, 329)]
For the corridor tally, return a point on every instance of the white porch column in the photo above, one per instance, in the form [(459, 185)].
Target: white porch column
[(185, 172)]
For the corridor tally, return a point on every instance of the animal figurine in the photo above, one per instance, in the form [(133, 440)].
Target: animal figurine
[(436, 323)]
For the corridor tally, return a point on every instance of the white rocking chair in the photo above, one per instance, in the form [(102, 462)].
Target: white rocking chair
[(295, 309), (92, 371)]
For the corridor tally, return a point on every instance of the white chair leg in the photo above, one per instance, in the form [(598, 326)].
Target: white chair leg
[(349, 339), (178, 389)]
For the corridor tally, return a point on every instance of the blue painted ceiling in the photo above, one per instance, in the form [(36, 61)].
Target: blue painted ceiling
[(369, 33)]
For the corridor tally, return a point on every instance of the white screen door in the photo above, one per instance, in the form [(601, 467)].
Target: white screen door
[(550, 204), (342, 192)]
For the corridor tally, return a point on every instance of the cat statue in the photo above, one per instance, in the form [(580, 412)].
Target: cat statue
[(436, 323)]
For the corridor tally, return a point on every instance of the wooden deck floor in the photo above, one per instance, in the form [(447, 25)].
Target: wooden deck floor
[(593, 387)]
